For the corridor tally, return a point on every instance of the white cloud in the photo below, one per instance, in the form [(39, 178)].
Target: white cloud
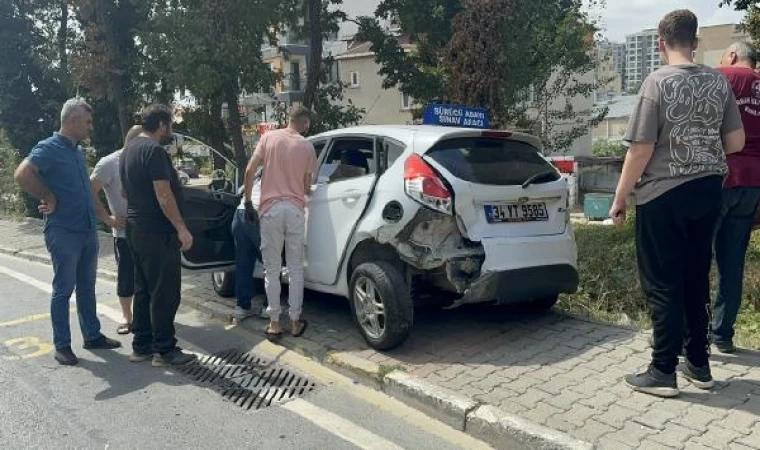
[(623, 17)]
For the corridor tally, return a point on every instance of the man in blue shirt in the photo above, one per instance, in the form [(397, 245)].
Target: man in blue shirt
[(56, 174)]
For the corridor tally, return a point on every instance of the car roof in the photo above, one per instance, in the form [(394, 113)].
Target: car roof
[(423, 136)]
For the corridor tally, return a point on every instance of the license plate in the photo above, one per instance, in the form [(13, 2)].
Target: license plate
[(517, 212)]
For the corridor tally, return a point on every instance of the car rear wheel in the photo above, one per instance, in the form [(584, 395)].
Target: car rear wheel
[(224, 284), (542, 304), (381, 304)]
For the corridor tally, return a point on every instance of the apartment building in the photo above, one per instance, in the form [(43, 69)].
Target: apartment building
[(359, 71), (610, 69), (642, 58)]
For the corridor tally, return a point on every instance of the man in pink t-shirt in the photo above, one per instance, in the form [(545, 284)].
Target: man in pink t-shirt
[(289, 163)]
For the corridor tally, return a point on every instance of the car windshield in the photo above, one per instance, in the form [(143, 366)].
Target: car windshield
[(493, 161)]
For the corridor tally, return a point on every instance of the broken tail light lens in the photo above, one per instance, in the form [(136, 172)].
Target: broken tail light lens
[(423, 185)]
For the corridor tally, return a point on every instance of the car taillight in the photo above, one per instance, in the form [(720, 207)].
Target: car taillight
[(422, 184)]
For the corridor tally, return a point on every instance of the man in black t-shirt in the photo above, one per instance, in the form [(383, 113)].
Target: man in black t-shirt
[(156, 234)]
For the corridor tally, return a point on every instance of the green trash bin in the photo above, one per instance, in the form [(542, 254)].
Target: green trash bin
[(597, 206)]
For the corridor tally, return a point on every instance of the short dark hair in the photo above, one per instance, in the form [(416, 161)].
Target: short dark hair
[(153, 116), (299, 113), (679, 29)]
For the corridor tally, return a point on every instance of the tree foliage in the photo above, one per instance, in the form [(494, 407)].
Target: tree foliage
[(31, 89), (739, 5), (528, 62)]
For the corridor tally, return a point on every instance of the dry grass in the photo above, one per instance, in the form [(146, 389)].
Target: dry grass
[(610, 289)]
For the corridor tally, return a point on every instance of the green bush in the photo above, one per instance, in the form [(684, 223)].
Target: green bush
[(11, 201), (609, 149), (609, 282)]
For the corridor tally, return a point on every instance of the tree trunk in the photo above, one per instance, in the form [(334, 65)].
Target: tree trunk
[(217, 139), (315, 55), (116, 81), (231, 94), (63, 33)]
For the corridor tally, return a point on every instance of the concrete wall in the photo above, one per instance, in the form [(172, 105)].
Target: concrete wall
[(714, 40), (383, 106)]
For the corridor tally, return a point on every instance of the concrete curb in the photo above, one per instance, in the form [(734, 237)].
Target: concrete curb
[(502, 430), (485, 422), (437, 402)]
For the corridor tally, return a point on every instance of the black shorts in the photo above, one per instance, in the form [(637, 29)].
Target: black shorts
[(125, 280)]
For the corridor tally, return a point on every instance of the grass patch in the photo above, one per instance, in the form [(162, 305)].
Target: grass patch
[(385, 370), (609, 282)]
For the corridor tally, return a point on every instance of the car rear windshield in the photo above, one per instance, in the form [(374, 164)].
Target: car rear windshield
[(494, 161)]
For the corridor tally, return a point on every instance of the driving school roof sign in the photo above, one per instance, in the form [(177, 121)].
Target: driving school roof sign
[(456, 116)]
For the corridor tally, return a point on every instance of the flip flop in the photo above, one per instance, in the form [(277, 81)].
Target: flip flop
[(124, 328), (271, 336), (300, 332)]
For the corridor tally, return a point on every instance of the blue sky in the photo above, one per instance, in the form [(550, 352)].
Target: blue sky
[(622, 17)]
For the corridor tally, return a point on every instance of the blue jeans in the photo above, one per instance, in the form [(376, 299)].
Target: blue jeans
[(75, 265), (247, 251), (731, 241)]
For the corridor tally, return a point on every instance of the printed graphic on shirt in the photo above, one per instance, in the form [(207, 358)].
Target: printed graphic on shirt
[(751, 105), (694, 104)]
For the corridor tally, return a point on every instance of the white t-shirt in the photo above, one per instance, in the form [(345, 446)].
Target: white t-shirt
[(107, 172)]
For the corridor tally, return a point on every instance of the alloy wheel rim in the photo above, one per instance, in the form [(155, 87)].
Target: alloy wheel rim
[(370, 308)]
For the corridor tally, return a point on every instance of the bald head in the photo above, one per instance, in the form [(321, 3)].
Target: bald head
[(740, 53)]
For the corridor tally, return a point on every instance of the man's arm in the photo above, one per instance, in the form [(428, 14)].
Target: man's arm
[(168, 205), (27, 175), (636, 160), (250, 174), (734, 141), (103, 214)]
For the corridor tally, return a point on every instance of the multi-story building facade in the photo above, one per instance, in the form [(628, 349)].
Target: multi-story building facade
[(610, 69), (642, 58)]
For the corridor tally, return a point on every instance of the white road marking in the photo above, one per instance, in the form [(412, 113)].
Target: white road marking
[(104, 310), (339, 426)]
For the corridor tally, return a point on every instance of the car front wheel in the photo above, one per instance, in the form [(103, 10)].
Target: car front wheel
[(224, 284), (381, 304)]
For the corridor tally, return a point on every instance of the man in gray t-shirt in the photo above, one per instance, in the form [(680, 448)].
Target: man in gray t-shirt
[(685, 122), (106, 177)]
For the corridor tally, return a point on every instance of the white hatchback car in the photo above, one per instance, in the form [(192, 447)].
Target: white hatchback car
[(407, 215)]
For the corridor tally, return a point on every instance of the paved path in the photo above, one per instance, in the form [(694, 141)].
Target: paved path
[(553, 370)]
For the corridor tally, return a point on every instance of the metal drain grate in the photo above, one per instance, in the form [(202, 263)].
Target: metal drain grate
[(246, 380)]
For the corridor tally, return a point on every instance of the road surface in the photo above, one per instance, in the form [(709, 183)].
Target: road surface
[(106, 402)]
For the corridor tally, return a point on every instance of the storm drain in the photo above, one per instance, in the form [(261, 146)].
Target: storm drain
[(247, 380)]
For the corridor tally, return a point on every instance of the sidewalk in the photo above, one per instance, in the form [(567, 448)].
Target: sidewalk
[(509, 378)]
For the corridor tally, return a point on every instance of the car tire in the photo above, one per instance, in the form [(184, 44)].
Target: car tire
[(542, 304), (224, 284), (391, 291)]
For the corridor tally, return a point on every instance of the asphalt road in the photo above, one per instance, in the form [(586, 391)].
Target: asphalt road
[(106, 402)]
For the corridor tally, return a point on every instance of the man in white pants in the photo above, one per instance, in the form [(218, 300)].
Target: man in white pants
[(289, 163)]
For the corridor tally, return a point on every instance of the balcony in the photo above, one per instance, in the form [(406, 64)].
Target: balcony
[(291, 88)]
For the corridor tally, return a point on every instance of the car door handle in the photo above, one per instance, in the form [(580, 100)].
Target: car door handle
[(351, 196)]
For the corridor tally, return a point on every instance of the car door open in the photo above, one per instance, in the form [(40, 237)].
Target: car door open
[(208, 216)]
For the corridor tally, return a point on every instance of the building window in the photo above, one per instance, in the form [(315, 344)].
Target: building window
[(406, 102), (354, 79)]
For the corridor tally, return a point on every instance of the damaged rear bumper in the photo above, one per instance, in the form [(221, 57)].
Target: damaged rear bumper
[(520, 285), (522, 269)]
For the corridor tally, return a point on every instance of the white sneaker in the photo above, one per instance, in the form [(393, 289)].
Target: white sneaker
[(242, 314)]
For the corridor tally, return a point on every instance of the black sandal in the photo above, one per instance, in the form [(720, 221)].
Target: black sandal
[(301, 331), (124, 328)]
